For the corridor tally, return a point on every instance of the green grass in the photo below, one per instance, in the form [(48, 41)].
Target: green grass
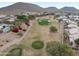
[(15, 52), (43, 21), (37, 45)]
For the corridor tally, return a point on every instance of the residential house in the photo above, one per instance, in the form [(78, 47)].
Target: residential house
[(11, 18), (4, 27)]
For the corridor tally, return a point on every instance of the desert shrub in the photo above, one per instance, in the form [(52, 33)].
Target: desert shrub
[(31, 17), (20, 33), (24, 30), (58, 49), (53, 29), (77, 41)]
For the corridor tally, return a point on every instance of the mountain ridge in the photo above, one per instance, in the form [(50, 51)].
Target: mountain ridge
[(29, 7)]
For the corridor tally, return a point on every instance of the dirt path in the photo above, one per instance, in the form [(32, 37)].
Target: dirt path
[(16, 40)]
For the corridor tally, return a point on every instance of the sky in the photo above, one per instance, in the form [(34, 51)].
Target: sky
[(47, 4)]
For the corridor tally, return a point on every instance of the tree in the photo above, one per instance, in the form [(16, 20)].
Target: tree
[(22, 17), (53, 29), (31, 17), (77, 41), (15, 24), (56, 16), (66, 37), (58, 49)]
